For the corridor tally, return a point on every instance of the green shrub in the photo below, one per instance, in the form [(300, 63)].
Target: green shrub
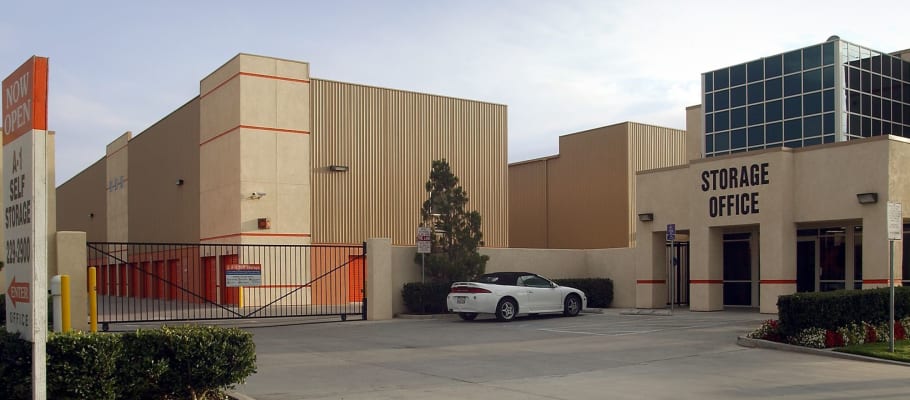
[(172, 363), (833, 310), (15, 367), (598, 290), (425, 298), (82, 365)]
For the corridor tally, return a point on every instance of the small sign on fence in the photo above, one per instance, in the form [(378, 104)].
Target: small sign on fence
[(236, 275)]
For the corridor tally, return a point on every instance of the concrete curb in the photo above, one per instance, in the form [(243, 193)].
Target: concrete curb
[(238, 396), (646, 311), (427, 316), (767, 344)]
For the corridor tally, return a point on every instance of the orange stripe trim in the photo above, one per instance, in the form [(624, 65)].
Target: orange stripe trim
[(257, 235), (650, 281), (276, 286), (259, 128), (250, 74), (777, 281), (877, 281), (706, 281)]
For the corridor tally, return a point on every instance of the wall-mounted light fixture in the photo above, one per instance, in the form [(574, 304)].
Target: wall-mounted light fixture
[(179, 182), (338, 168), (256, 195), (867, 198), (646, 217), (91, 215)]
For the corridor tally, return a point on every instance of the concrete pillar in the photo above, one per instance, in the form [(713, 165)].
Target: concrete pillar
[(380, 289), (706, 269), (876, 249), (71, 256), (778, 263), (651, 271)]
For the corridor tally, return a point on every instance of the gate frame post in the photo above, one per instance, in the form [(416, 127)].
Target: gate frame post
[(379, 284)]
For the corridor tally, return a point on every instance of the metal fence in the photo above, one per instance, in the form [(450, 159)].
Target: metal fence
[(158, 282)]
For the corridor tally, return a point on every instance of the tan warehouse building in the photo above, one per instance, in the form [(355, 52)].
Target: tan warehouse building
[(267, 154), (584, 197)]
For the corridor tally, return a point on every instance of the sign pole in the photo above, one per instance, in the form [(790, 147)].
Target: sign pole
[(891, 301), (671, 267), (895, 232)]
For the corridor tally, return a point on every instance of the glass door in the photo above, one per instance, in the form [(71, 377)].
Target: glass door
[(806, 265)]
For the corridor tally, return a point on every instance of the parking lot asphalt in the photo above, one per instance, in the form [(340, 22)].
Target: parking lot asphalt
[(592, 356)]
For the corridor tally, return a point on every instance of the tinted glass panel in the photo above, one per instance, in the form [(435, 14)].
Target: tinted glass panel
[(812, 142), (812, 80), (853, 79), (828, 53), (854, 126), (812, 103), (709, 123), (867, 127), (793, 129), (738, 75), (886, 110), (722, 99), (896, 70), (794, 144), (738, 139), (756, 114), (709, 81), (756, 71), (828, 100), (756, 135), (828, 123), (812, 126), (828, 139), (722, 141), (774, 88), (738, 96), (721, 79), (793, 107), (773, 66), (756, 93), (828, 77), (792, 61), (774, 111), (812, 57), (886, 66), (709, 143), (876, 107), (722, 121), (792, 84), (738, 117), (709, 102), (774, 132), (896, 116)]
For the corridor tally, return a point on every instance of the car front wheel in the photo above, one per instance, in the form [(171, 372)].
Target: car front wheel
[(572, 305), (468, 316), (506, 310)]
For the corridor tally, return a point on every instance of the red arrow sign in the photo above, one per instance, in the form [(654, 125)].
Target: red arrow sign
[(18, 292)]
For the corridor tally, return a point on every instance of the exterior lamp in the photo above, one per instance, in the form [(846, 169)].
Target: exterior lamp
[(867, 198), (646, 217), (338, 168)]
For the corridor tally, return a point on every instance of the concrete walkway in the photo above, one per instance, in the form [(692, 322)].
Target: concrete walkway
[(593, 356)]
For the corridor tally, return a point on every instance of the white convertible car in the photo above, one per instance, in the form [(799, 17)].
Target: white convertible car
[(507, 294)]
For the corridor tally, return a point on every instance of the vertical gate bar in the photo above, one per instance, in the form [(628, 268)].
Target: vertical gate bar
[(363, 301)]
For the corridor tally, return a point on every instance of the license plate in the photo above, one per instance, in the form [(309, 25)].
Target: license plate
[(460, 299)]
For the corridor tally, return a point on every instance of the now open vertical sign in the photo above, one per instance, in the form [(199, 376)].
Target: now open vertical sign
[(25, 160)]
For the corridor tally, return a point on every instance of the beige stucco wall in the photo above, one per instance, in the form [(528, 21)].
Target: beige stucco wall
[(255, 138), (160, 210), (584, 197), (814, 186), (117, 187), (388, 139)]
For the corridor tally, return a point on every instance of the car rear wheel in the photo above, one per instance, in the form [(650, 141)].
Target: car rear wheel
[(572, 305), (467, 316), (506, 310)]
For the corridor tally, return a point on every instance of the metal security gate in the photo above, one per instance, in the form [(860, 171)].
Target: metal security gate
[(160, 282)]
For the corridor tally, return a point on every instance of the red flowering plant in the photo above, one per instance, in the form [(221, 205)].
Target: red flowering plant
[(833, 339), (769, 330), (899, 332)]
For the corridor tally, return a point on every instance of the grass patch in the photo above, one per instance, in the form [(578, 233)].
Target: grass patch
[(880, 350)]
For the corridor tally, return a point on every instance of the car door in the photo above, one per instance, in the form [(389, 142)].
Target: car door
[(542, 296)]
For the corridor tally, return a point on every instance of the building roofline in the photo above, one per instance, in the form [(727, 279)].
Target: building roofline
[(534, 160), (406, 91)]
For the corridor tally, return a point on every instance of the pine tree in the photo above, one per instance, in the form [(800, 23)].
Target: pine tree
[(457, 232)]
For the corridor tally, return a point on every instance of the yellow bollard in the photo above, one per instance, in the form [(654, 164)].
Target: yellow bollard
[(65, 300), (240, 297), (92, 299)]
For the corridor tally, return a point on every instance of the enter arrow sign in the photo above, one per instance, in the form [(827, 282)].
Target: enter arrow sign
[(18, 292)]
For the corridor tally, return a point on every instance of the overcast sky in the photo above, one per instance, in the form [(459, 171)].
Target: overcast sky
[(560, 66)]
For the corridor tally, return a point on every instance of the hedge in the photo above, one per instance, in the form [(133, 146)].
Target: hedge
[(174, 363), (599, 291), (430, 297), (2, 309), (832, 310)]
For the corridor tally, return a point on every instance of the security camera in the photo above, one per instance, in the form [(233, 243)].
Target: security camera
[(257, 195)]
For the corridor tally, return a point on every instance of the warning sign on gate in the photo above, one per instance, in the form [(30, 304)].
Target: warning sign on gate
[(236, 275)]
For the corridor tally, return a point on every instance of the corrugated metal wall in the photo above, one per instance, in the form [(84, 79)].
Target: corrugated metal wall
[(388, 140), (652, 147)]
